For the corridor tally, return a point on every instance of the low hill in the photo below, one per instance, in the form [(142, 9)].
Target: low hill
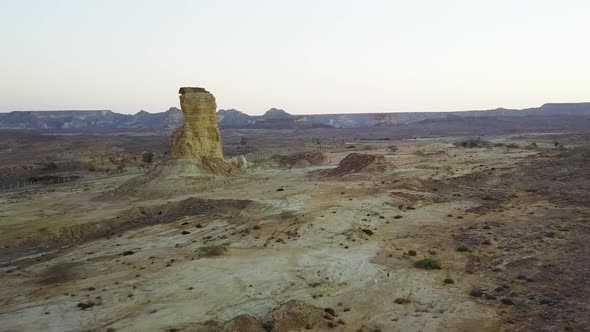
[(272, 119)]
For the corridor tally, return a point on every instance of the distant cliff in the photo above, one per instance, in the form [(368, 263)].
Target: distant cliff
[(272, 119)]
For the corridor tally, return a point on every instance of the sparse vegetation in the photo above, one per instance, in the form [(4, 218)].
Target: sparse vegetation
[(401, 300), (121, 168), (462, 248), (473, 143), (428, 264), (513, 146), (147, 157), (368, 147), (212, 251), (392, 148), (448, 281), (60, 272), (268, 325)]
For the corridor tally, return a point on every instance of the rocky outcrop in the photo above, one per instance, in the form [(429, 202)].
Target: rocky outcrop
[(196, 156), (243, 323), (357, 162), (292, 315), (199, 136), (195, 147)]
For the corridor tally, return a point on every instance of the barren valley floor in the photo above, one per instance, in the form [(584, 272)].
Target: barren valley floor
[(303, 249)]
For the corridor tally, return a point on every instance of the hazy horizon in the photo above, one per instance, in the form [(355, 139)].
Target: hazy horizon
[(304, 57)]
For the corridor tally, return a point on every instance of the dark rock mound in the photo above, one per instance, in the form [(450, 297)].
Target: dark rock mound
[(243, 323), (295, 315), (357, 162)]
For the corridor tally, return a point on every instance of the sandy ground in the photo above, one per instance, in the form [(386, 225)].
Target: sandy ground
[(336, 242)]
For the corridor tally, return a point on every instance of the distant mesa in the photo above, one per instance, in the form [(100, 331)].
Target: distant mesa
[(274, 118)]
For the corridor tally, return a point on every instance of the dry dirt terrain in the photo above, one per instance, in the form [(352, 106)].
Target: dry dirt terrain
[(430, 236)]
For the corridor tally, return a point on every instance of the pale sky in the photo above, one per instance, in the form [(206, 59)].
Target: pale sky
[(322, 56)]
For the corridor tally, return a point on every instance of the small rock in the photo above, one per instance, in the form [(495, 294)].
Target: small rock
[(367, 231), (330, 311), (507, 301), (476, 292), (545, 301)]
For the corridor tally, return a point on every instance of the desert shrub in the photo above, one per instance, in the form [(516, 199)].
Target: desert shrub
[(401, 300), (462, 248), (473, 143), (60, 272), (499, 145), (449, 281), (212, 251), (420, 153), (428, 264), (392, 148), (350, 146), (287, 214), (91, 168), (147, 157), (268, 325), (513, 146), (369, 147)]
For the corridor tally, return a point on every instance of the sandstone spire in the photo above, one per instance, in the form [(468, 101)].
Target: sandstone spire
[(199, 136)]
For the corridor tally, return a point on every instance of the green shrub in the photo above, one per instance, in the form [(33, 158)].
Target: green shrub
[(428, 264), (147, 157), (212, 251), (60, 272), (473, 143), (392, 148), (462, 248), (513, 146)]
